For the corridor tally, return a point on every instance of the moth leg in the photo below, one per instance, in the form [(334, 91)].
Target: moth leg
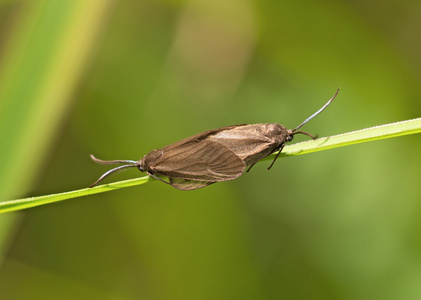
[(279, 152), (250, 167), (157, 178)]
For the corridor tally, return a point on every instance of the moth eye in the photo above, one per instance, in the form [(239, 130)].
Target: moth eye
[(289, 138)]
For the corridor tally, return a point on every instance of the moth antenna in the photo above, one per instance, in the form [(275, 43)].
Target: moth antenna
[(125, 164), (108, 173), (111, 162), (315, 114), (306, 133)]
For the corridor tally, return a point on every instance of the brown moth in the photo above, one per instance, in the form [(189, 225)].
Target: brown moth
[(212, 156)]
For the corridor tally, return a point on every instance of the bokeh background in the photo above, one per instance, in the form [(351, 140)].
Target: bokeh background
[(120, 78)]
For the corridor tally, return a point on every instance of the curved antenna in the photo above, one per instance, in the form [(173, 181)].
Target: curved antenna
[(111, 162), (306, 133), (127, 164), (315, 114), (108, 173)]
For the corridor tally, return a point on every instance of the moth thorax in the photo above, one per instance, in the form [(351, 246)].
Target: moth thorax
[(277, 132)]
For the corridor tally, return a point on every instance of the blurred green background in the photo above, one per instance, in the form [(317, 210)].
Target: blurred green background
[(120, 78)]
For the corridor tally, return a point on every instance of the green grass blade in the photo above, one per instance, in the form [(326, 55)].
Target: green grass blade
[(14, 205), (355, 137)]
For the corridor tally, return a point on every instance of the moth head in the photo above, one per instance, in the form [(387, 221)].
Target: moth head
[(141, 165)]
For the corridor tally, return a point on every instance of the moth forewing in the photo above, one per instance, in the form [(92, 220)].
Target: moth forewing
[(198, 137), (252, 142), (200, 161)]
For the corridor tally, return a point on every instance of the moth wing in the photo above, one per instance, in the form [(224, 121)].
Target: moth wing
[(199, 137), (187, 185), (199, 161)]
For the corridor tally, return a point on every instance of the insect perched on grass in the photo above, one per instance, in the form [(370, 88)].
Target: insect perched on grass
[(212, 156)]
